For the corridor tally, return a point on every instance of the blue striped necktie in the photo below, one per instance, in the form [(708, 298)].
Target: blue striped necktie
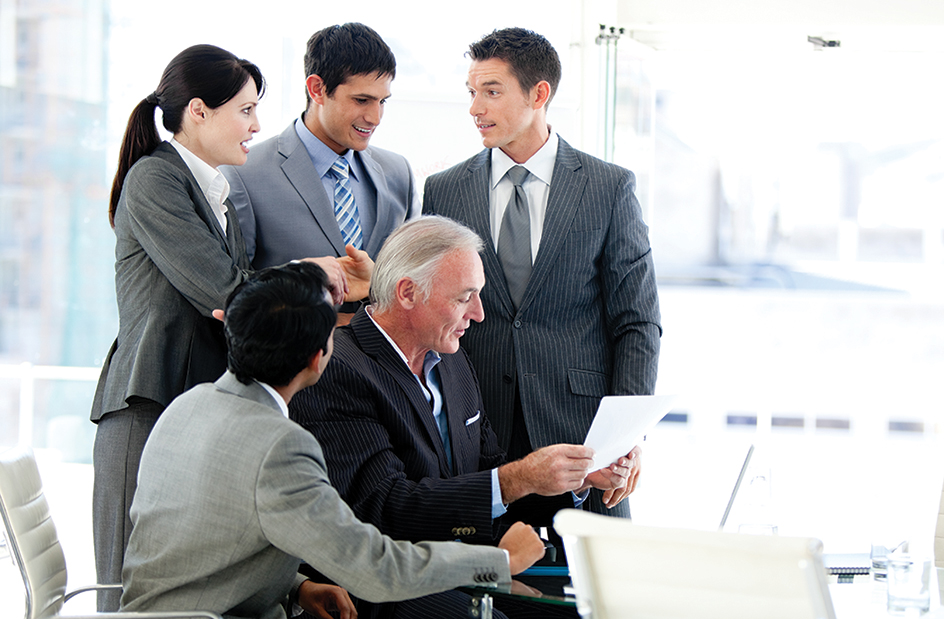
[(344, 208)]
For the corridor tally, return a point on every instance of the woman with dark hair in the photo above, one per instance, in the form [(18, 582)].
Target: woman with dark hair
[(179, 254)]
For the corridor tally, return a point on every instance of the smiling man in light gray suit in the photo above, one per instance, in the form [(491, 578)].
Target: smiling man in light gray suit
[(292, 194), (571, 309), (232, 494)]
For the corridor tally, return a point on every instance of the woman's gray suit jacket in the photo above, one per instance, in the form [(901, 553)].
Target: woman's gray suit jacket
[(173, 266)]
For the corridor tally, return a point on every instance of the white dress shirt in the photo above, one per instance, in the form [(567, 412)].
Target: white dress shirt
[(212, 183), (276, 396), (537, 186)]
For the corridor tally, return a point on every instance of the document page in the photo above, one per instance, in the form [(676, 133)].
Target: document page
[(621, 423)]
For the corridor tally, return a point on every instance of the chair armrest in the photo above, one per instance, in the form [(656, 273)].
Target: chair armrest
[(72, 594), (169, 614)]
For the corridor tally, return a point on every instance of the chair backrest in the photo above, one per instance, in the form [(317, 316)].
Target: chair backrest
[(624, 570), (31, 534)]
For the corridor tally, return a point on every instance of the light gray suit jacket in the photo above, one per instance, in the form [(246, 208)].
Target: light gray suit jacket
[(173, 266), (285, 213), (231, 495), (588, 325)]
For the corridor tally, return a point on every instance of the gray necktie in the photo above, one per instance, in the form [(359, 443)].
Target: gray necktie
[(514, 238)]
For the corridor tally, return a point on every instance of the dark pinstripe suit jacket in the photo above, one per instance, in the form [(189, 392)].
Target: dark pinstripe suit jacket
[(588, 325), (383, 448)]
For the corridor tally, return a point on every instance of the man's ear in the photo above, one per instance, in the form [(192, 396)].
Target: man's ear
[(314, 363), (541, 94), (406, 293), (316, 88)]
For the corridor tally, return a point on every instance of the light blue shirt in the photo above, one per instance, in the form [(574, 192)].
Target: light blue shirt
[(365, 194)]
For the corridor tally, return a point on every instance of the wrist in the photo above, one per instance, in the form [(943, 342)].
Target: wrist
[(509, 483)]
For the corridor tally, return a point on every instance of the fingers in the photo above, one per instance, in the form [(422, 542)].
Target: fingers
[(336, 276), (318, 598), (358, 267), (523, 545), (634, 474), (343, 604), (564, 467), (577, 452), (358, 255), (612, 498)]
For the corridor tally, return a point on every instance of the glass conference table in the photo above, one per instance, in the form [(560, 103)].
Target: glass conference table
[(543, 589)]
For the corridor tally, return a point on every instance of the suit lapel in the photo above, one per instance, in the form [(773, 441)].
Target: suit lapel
[(465, 454), (567, 185), (376, 346), (234, 237), (385, 214), (300, 172), (167, 152), (474, 198)]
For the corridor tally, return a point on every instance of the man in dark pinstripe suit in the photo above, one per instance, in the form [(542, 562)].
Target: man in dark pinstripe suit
[(400, 419), (582, 319)]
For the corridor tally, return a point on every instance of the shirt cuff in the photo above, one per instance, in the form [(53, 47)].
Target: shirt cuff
[(295, 610), (498, 508), (580, 498)]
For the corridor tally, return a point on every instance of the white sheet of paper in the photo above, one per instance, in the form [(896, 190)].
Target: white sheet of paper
[(621, 423)]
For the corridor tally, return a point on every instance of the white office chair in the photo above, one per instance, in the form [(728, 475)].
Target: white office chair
[(33, 543), (623, 570)]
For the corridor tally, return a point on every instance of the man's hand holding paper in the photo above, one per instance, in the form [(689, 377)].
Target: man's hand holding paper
[(621, 422), (618, 480)]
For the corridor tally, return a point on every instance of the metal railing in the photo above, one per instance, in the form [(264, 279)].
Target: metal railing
[(28, 374)]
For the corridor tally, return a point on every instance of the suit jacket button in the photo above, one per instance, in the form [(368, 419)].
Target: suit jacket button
[(517, 324), (471, 530), (508, 378)]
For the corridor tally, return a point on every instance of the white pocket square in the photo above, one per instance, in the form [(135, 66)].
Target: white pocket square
[(472, 420)]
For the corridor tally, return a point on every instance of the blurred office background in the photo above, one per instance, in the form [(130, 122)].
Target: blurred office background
[(790, 164)]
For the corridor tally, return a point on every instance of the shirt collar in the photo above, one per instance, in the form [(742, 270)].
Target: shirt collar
[(540, 165), (429, 361), (321, 156), (276, 396), (211, 181)]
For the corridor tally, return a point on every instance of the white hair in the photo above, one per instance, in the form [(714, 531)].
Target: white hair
[(415, 250)]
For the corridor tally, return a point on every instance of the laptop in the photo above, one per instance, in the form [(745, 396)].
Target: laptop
[(737, 486)]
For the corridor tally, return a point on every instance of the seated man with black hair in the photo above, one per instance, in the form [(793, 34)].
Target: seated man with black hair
[(232, 494)]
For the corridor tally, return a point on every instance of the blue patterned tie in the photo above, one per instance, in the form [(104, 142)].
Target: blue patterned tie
[(344, 208)]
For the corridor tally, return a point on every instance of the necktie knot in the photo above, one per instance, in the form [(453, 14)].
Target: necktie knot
[(340, 168), (517, 174)]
